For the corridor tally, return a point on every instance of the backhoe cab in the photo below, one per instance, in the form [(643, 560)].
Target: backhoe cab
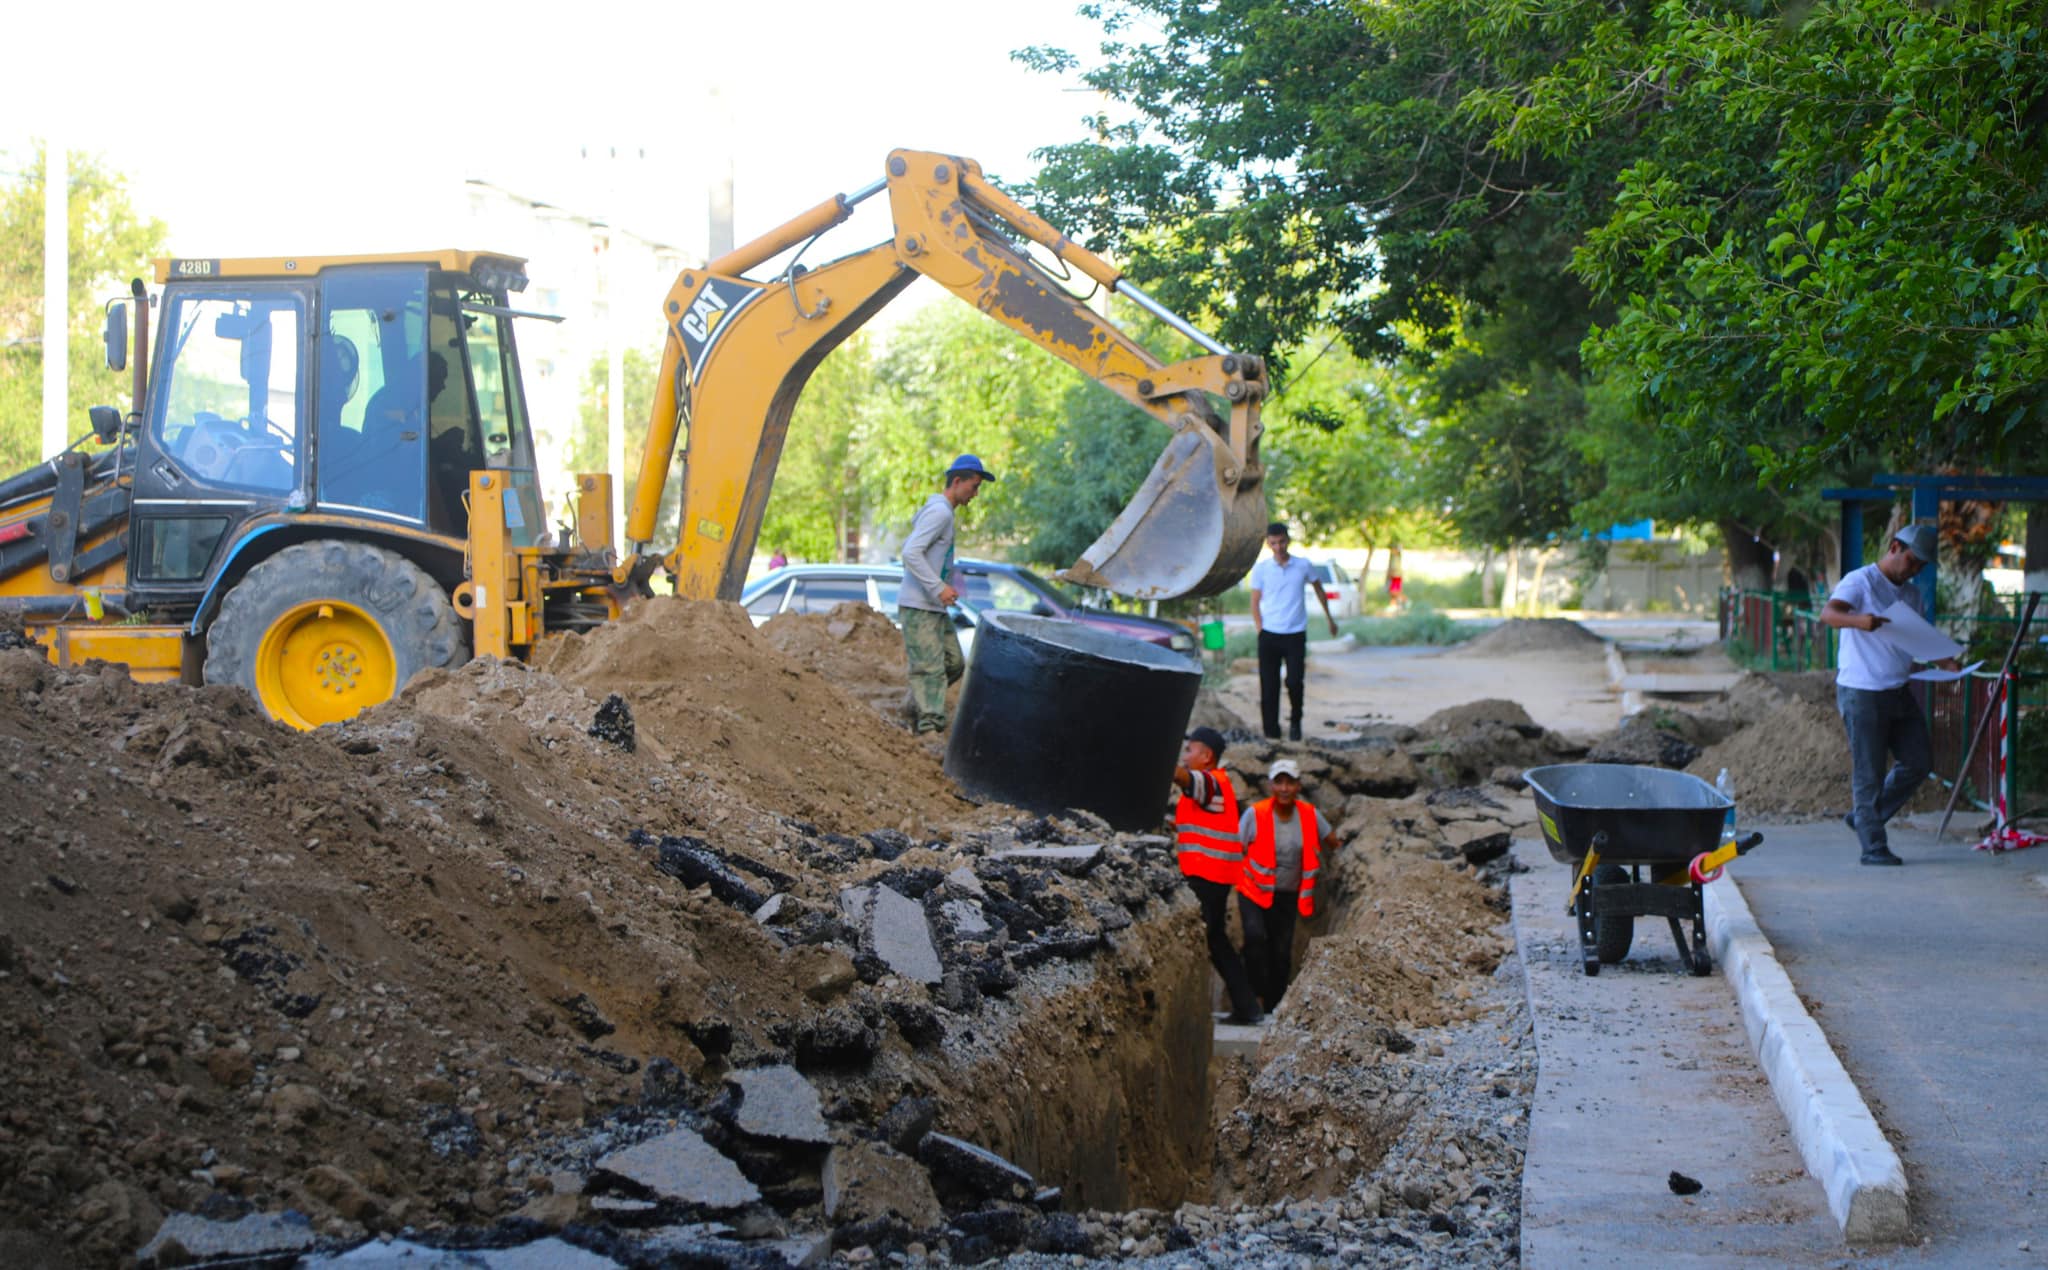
[(286, 509)]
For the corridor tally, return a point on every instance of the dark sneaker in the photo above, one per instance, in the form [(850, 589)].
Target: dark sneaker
[(1882, 855), (1244, 1020), (1294, 730)]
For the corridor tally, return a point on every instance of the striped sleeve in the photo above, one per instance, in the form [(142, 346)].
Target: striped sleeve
[(1206, 791)]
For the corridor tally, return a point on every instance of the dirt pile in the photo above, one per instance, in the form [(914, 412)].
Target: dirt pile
[(853, 646), (1545, 636), (714, 700), (1792, 762), (376, 973), (1490, 740)]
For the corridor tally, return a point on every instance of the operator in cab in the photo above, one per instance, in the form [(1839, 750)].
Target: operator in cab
[(928, 643)]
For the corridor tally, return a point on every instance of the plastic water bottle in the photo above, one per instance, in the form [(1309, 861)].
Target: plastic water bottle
[(1726, 788)]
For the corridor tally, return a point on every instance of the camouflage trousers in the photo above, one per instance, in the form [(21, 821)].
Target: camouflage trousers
[(935, 661)]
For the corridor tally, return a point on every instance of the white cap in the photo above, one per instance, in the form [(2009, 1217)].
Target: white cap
[(1284, 767)]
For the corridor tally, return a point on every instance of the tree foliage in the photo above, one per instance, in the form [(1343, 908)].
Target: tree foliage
[(1682, 257), (586, 445), (1874, 271), (109, 244)]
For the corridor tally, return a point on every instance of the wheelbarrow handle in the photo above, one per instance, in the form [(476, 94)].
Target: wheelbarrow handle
[(1749, 844)]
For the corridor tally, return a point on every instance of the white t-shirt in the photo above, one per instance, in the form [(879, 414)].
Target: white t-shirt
[(1283, 604), (1870, 661)]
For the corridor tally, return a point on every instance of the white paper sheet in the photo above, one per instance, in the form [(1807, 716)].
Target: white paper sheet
[(1934, 676), (1910, 632)]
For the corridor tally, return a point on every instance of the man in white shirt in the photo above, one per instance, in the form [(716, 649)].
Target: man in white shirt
[(928, 643), (1280, 615), (1878, 712)]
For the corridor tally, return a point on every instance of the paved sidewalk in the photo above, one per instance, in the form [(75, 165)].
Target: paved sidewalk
[(1931, 982), (1643, 1071)]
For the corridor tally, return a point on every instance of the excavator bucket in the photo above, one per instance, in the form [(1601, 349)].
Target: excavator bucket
[(1191, 529)]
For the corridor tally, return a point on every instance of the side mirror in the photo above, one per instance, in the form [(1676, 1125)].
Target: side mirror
[(117, 335), (1042, 609), (106, 422)]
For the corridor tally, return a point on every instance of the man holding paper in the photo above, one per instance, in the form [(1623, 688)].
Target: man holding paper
[(1883, 633)]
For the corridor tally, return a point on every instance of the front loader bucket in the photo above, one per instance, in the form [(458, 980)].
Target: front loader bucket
[(1187, 532)]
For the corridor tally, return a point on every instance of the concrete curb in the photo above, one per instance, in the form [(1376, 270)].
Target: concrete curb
[(1617, 671), (1838, 1137)]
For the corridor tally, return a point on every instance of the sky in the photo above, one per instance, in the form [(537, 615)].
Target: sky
[(261, 129)]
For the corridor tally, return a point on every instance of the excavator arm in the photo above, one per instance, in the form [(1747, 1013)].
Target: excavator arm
[(739, 352)]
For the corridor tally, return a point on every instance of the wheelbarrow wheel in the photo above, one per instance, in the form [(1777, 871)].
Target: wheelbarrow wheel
[(1612, 932)]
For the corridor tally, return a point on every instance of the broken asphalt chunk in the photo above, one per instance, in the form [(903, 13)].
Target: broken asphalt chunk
[(681, 1166), (978, 1170), (692, 862), (1073, 861), (777, 1102), (903, 938), (186, 1237)]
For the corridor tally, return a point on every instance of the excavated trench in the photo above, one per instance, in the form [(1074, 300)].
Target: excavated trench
[(423, 972)]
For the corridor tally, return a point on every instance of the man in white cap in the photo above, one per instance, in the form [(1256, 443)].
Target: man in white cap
[(921, 601), (1878, 712), (1283, 838)]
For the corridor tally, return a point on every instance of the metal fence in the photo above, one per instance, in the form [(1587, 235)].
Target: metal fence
[(1776, 630), (1782, 631)]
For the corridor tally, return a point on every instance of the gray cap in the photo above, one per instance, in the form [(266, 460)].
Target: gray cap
[(1918, 540)]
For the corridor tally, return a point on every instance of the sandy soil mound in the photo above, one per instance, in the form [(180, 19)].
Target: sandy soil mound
[(1517, 636), (714, 698), (1473, 714), (1793, 762), (853, 646)]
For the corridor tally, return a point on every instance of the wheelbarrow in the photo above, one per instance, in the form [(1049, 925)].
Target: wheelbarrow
[(1642, 842)]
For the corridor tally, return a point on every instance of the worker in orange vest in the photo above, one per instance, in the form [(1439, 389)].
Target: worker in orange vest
[(1282, 838), (1205, 824)]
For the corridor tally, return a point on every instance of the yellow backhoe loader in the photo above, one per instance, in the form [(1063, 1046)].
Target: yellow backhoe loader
[(327, 484)]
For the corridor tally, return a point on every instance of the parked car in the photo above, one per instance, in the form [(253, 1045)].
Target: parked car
[(1339, 588), (817, 588), (1012, 588)]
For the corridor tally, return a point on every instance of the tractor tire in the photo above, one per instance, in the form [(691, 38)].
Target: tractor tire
[(324, 630), (1612, 933)]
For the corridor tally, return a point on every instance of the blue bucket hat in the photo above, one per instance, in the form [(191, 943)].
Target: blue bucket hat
[(968, 465)]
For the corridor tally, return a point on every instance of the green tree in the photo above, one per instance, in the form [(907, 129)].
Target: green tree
[(1340, 447), (1877, 279), (817, 504), (109, 244), (954, 382), (585, 450)]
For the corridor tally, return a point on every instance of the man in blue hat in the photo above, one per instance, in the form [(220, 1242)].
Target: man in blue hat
[(921, 602), (1880, 716)]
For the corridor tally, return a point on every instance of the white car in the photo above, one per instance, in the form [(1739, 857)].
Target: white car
[(1339, 588)]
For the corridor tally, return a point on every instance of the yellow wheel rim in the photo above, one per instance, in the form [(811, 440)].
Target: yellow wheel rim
[(322, 662)]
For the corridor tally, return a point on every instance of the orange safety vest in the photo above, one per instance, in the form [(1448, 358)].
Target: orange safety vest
[(1206, 843), (1256, 884)]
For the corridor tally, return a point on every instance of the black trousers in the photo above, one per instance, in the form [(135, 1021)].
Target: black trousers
[(1215, 901), (1274, 652), (1269, 944)]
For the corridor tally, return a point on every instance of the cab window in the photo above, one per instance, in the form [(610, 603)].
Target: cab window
[(228, 411), (372, 392)]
